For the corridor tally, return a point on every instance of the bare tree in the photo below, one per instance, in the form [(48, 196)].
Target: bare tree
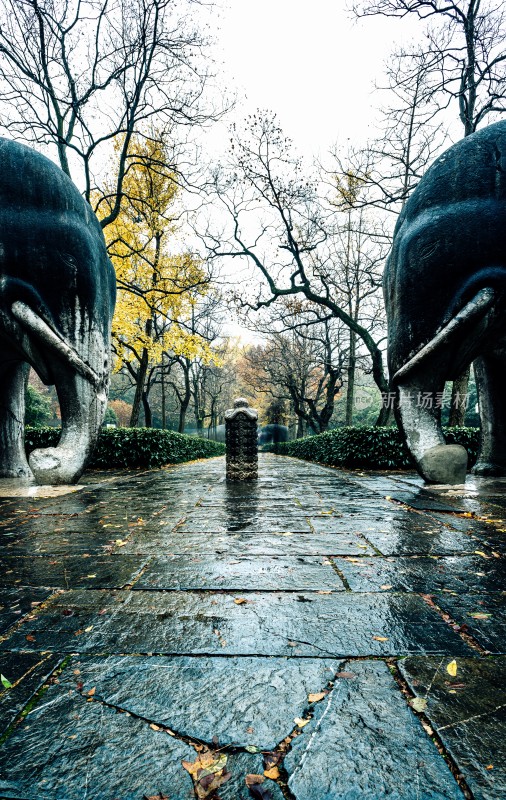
[(78, 75), (465, 58), (281, 225)]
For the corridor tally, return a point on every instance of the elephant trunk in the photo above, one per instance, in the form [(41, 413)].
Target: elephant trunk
[(82, 408)]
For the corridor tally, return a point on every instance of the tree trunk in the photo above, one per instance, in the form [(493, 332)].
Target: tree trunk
[(139, 389), (164, 410), (300, 428), (458, 406), (350, 390), (148, 417)]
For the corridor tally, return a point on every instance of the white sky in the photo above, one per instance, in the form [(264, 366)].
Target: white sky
[(312, 62)]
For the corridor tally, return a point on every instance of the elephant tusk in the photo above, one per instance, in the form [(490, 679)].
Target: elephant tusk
[(476, 307), (41, 329)]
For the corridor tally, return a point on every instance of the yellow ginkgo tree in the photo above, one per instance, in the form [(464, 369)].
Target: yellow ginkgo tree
[(158, 281)]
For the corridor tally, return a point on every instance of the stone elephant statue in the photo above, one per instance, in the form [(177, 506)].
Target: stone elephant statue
[(57, 296), (445, 294)]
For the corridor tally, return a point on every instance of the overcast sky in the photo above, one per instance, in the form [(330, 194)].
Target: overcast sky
[(310, 61)]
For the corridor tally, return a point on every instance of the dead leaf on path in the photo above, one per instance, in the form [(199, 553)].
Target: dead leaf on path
[(346, 675), (272, 759), (381, 638), (155, 727), (386, 586), (208, 772), (481, 553), (92, 692), (300, 723), (30, 638), (158, 796), (314, 697), (239, 601), (324, 591), (272, 773), (259, 792), (478, 615), (451, 668), (418, 703), (253, 780)]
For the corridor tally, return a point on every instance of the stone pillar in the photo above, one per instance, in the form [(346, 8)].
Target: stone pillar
[(241, 441)]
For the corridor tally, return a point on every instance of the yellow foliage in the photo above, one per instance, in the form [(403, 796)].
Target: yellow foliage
[(156, 287)]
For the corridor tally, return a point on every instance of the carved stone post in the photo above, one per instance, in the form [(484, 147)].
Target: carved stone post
[(241, 441)]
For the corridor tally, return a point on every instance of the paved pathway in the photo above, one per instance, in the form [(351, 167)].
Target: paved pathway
[(319, 635)]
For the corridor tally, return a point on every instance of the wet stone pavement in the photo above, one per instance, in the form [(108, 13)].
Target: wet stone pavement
[(316, 635)]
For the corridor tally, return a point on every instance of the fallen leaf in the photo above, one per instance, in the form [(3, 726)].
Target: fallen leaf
[(251, 748), (208, 772), (88, 629), (158, 796), (316, 696), (478, 615), (272, 773), (418, 703), (451, 668), (346, 675), (155, 727), (381, 638), (386, 586), (239, 601), (259, 792), (324, 591), (272, 758), (118, 542), (91, 576), (300, 722), (489, 766), (5, 682), (30, 638), (481, 553), (253, 780), (92, 692)]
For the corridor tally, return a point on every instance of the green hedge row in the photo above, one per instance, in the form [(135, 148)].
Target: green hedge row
[(368, 447), (134, 447)]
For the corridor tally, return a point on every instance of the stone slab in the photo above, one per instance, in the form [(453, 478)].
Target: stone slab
[(26, 672), (253, 573), (231, 699), (489, 630), (90, 753), (241, 545), (97, 572), (414, 535), (247, 522), (468, 712), (16, 603), (458, 574), (364, 743), (276, 624)]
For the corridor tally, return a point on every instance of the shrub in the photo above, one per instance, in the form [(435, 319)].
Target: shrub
[(368, 447), (134, 447)]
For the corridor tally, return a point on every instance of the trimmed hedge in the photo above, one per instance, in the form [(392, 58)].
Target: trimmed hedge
[(134, 447), (368, 447)]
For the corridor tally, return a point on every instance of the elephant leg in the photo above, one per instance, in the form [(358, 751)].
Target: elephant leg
[(489, 372), (419, 415), (82, 408), (13, 463)]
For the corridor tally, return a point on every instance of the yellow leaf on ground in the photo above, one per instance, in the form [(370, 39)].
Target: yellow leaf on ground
[(381, 638), (418, 703), (451, 668), (272, 773), (313, 698), (301, 722), (239, 601)]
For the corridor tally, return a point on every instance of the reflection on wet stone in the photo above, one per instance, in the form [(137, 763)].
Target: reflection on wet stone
[(239, 602)]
